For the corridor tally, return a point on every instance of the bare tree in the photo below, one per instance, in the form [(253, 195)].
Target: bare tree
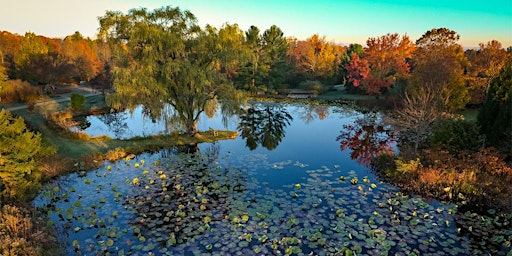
[(420, 110)]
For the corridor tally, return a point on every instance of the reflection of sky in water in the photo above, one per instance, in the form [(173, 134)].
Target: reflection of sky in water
[(306, 140), (309, 146), (312, 143), (135, 124)]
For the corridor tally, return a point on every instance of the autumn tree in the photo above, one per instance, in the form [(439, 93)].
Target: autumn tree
[(439, 62), (167, 58), (387, 58), (10, 46), (20, 151), (33, 51), (358, 70), (484, 65), (315, 58), (3, 84), (85, 65), (347, 67)]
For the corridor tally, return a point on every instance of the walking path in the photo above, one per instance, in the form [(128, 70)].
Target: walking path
[(80, 90)]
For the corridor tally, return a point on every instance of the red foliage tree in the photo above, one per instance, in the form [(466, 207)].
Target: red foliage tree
[(358, 70)]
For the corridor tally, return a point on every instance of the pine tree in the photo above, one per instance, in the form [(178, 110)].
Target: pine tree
[(20, 151)]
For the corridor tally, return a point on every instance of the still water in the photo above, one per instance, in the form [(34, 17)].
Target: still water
[(283, 186)]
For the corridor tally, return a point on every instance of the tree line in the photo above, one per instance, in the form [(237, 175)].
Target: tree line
[(268, 61)]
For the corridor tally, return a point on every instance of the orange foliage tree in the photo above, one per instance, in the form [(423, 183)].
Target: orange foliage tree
[(9, 47), (85, 63), (385, 61), (315, 57), (484, 65)]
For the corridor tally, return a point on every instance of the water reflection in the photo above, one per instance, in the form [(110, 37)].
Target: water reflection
[(115, 122), (226, 200), (367, 137), (263, 124), (309, 113), (82, 123)]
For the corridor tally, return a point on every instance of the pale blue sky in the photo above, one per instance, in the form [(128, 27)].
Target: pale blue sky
[(341, 21)]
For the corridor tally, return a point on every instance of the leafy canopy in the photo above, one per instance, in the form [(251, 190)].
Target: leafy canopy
[(165, 58), (439, 63)]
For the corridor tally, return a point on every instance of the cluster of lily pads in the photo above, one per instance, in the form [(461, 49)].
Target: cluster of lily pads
[(199, 204)]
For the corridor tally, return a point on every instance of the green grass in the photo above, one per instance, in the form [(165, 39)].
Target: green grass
[(470, 114), (341, 94)]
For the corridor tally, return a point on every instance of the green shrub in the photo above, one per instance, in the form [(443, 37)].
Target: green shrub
[(77, 102), (456, 135), (315, 86), (405, 167)]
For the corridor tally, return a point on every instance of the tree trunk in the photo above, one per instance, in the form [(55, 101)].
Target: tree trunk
[(191, 129)]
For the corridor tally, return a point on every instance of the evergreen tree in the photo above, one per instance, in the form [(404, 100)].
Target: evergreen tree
[(495, 116), (20, 152)]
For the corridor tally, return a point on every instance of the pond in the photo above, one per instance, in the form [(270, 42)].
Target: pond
[(283, 186)]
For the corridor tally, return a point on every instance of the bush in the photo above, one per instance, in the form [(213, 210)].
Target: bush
[(20, 234), (14, 91), (116, 154), (63, 118), (315, 86), (482, 177), (77, 102), (456, 135)]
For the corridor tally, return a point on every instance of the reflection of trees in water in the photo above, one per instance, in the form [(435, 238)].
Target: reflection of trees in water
[(116, 122), (367, 137), (264, 124), (82, 122), (309, 113)]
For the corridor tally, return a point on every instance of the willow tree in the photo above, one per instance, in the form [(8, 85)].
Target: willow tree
[(166, 59)]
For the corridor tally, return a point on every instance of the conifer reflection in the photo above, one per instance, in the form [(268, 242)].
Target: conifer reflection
[(263, 124)]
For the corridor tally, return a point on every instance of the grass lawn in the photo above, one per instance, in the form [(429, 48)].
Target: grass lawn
[(341, 94), (470, 114)]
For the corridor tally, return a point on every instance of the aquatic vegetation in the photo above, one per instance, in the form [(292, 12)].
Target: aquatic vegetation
[(201, 206), (223, 202)]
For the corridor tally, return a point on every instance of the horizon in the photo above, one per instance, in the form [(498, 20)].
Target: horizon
[(474, 23)]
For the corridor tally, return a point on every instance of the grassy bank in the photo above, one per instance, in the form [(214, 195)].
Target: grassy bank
[(74, 148)]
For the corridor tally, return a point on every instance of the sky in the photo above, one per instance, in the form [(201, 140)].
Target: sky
[(340, 21)]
